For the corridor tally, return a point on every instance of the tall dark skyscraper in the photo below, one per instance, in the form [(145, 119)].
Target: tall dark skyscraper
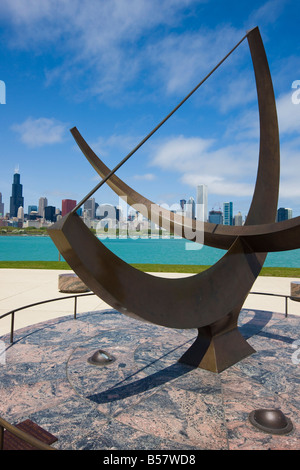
[(1, 206), (50, 213), (228, 213), (16, 199), (284, 214)]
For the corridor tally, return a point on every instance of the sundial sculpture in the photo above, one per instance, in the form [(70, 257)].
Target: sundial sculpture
[(211, 300)]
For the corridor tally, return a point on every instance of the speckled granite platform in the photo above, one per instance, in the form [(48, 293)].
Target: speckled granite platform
[(145, 399)]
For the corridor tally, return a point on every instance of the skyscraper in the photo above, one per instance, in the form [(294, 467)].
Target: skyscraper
[(190, 208), (228, 213), (32, 208), (20, 213), (284, 213), (67, 205), (16, 199), (201, 208), (238, 219), (50, 213), (215, 217), (1, 206), (43, 202), (90, 207), (182, 204)]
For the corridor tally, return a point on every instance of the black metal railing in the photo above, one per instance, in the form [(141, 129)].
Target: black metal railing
[(75, 297), (12, 312), (286, 297)]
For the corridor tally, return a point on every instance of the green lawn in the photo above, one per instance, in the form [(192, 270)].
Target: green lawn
[(176, 268)]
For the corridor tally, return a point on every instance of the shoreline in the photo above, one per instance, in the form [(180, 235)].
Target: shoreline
[(163, 268), (38, 251)]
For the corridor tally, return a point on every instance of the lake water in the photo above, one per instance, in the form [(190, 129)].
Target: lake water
[(153, 251)]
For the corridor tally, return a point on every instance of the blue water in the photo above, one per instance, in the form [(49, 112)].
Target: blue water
[(154, 251)]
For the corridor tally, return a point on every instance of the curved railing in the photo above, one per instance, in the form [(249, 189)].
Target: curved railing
[(12, 312), (75, 297)]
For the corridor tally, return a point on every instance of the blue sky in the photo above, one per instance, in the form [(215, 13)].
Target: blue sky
[(115, 69)]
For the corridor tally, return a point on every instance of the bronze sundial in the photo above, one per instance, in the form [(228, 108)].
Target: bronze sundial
[(211, 300)]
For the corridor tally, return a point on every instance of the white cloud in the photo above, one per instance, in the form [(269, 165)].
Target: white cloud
[(231, 169), (226, 170), (288, 114), (268, 12), (115, 144), (237, 93), (218, 185), (39, 132), (145, 177), (247, 125), (104, 39), (100, 37), (181, 153), (290, 168), (182, 60)]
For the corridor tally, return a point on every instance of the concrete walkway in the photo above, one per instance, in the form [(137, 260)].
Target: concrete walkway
[(21, 287)]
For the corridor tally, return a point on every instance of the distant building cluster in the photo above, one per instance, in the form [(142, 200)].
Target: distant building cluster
[(227, 216), (107, 216), (42, 215)]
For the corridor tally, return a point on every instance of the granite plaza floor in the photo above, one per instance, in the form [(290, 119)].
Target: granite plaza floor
[(145, 399)]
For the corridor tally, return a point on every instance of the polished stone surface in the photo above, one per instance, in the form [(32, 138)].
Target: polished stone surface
[(70, 283), (145, 399), (295, 289)]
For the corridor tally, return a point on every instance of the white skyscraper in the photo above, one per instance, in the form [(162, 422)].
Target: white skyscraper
[(20, 214), (190, 208), (201, 207), (238, 219), (90, 207), (43, 202)]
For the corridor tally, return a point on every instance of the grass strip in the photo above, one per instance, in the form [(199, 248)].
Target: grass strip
[(34, 265), (177, 268), (160, 268)]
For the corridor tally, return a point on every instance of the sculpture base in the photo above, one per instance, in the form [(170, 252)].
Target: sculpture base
[(217, 351)]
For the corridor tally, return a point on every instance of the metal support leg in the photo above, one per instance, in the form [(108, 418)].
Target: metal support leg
[(75, 307)]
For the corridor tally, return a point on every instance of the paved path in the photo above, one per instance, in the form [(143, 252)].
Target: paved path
[(26, 286)]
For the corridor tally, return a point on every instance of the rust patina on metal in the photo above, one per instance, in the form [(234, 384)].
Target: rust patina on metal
[(209, 301)]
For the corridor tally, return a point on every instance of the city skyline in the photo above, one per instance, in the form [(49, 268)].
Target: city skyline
[(133, 66), (190, 208)]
